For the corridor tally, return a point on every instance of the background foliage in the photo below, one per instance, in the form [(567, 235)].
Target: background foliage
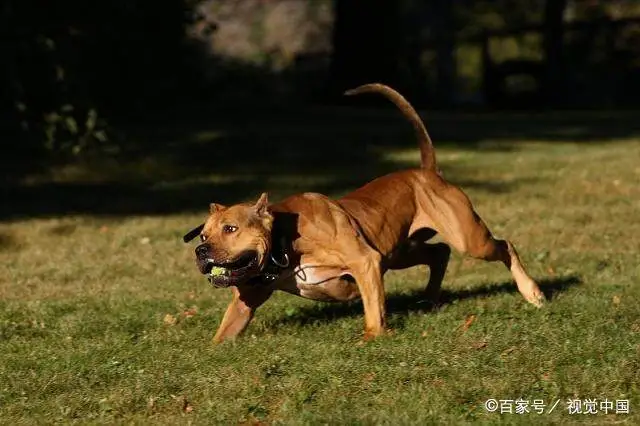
[(70, 64), (76, 73)]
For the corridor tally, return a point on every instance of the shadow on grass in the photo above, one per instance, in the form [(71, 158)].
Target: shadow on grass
[(8, 242), (401, 304), (184, 164)]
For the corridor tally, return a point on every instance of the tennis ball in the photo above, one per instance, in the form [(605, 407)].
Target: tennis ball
[(217, 271)]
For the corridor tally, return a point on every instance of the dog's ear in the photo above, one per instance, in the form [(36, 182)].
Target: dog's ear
[(262, 205), (215, 207), (193, 233)]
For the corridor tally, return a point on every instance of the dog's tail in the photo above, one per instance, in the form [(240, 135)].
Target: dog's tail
[(427, 153)]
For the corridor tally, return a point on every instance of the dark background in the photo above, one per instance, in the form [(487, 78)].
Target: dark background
[(86, 81)]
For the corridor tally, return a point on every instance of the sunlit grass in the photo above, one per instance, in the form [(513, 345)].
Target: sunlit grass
[(105, 318)]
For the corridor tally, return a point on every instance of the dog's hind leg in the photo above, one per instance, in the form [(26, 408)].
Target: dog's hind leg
[(417, 252), (437, 258), (466, 232), (491, 249)]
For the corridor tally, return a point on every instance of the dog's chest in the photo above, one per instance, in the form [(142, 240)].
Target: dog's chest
[(318, 283)]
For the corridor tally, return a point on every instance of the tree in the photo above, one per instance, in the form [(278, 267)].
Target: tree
[(445, 29), (553, 36), (67, 68), (366, 43)]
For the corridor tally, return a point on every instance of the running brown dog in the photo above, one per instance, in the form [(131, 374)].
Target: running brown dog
[(339, 250)]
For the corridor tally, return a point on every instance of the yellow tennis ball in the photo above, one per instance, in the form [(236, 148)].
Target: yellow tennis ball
[(217, 271)]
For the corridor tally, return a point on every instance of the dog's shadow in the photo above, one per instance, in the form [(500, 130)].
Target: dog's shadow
[(401, 304)]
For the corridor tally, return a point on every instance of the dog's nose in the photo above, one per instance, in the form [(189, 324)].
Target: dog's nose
[(202, 250)]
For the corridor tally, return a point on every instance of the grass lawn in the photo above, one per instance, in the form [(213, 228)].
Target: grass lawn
[(105, 319)]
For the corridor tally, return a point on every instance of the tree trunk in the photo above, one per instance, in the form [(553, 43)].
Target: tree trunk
[(365, 43), (444, 24), (553, 49)]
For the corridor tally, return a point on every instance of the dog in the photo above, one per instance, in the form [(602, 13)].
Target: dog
[(339, 250)]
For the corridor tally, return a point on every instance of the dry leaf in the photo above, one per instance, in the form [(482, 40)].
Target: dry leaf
[(151, 404), (104, 228), (191, 312), (551, 270), (479, 345), (427, 332), (252, 421), (170, 319), (467, 323), (185, 405), (508, 351), (546, 376), (616, 300)]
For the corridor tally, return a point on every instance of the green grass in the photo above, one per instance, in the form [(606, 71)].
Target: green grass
[(86, 287)]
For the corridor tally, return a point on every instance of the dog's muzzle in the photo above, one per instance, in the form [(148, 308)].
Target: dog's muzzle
[(229, 272)]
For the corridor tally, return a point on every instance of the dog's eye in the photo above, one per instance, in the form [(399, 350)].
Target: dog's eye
[(228, 229), (203, 237)]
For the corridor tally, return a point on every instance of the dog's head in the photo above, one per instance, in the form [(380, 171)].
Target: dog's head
[(236, 241)]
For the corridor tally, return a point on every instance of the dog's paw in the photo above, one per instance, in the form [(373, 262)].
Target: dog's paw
[(537, 299), (370, 335)]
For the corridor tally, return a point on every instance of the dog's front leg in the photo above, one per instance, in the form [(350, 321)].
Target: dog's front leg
[(368, 276), (240, 311)]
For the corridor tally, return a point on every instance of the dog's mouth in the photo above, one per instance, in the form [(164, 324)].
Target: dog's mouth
[(225, 274)]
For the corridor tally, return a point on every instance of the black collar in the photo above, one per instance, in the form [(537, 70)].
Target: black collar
[(283, 232), (278, 259)]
